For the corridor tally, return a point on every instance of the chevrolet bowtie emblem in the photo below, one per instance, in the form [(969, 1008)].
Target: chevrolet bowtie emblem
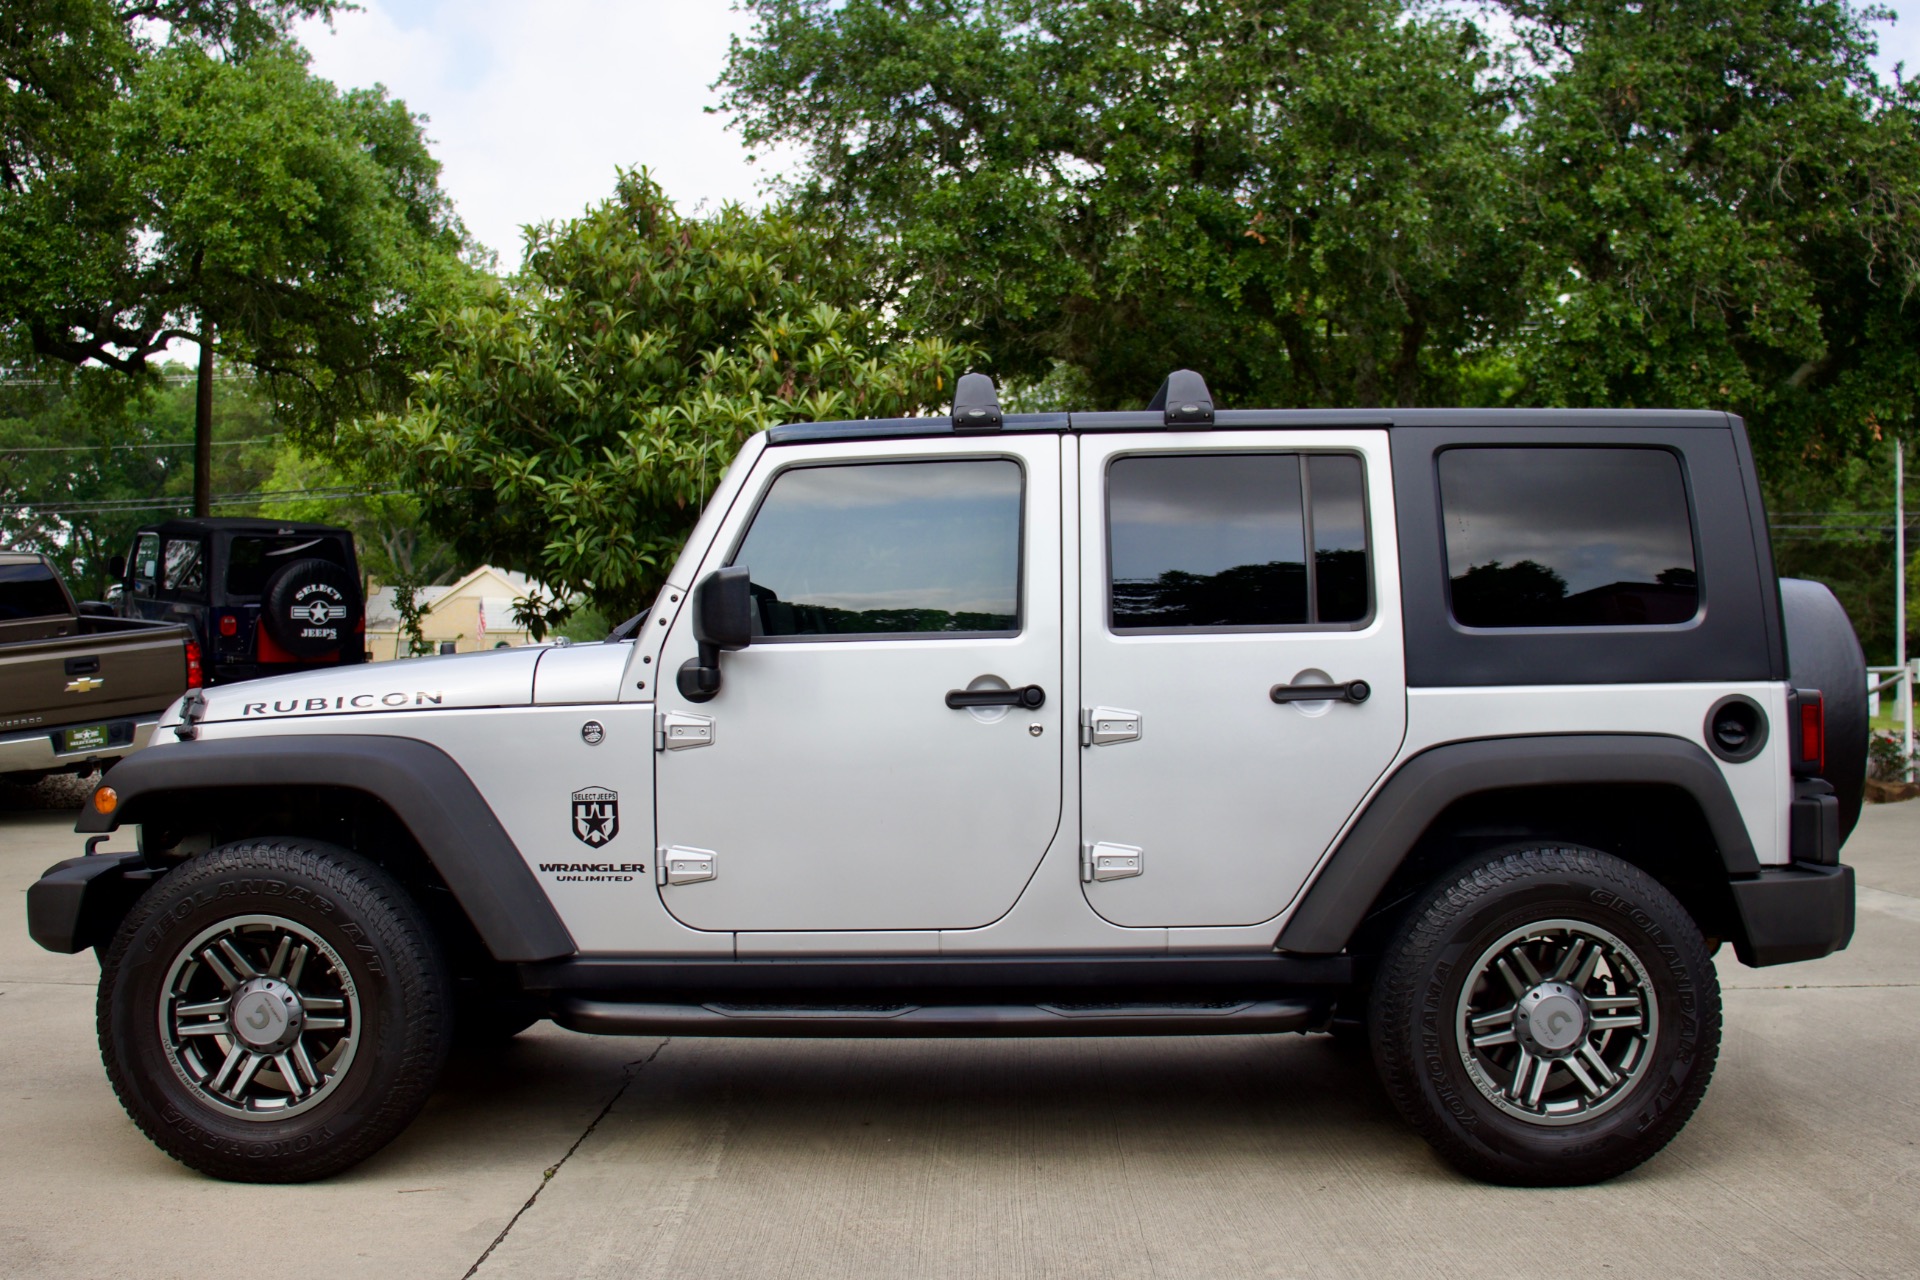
[(85, 684)]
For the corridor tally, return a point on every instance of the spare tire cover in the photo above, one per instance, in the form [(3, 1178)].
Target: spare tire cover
[(311, 608), (1823, 653)]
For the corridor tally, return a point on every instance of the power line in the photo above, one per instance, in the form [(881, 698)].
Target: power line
[(120, 506), (183, 444), (175, 378)]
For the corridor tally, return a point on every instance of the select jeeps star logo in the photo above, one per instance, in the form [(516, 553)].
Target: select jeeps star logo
[(596, 815), (317, 604)]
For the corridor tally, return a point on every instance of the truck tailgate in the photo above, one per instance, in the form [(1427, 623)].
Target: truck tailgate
[(113, 669)]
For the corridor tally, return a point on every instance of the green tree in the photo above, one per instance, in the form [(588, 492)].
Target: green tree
[(85, 460), (233, 199), (581, 413), (1310, 202), (1728, 205)]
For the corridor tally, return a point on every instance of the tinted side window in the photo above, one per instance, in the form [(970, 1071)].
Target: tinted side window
[(1340, 577), (1220, 540), (887, 549), (30, 591), (146, 560), (186, 566), (1574, 537)]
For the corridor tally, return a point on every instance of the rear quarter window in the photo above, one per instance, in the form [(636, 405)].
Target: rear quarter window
[(1568, 537)]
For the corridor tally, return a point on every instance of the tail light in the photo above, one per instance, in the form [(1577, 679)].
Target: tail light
[(1810, 754), (229, 625), (196, 675)]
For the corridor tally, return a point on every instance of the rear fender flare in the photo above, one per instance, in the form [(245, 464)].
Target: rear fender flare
[(423, 786), (1352, 877)]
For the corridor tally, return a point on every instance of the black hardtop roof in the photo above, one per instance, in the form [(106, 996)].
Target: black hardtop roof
[(1247, 420), (199, 526)]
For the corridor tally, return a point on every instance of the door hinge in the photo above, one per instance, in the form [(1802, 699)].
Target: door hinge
[(1103, 861), (1103, 726), (678, 730), (680, 865)]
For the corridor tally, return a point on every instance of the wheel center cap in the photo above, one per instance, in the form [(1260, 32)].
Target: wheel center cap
[(266, 1014), (1551, 1018)]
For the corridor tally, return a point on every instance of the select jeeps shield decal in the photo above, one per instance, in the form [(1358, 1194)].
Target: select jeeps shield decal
[(596, 815), (319, 607)]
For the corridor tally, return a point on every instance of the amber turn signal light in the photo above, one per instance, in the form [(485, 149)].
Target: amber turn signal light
[(105, 799)]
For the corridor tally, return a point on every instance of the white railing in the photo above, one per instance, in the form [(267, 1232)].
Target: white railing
[(1900, 680)]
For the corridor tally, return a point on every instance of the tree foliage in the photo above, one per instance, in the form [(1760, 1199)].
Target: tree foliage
[(1309, 202), (206, 186), (581, 413), (1728, 204), (1354, 202)]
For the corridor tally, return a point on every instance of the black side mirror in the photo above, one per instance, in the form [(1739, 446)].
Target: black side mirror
[(722, 619), (94, 609), (116, 567)]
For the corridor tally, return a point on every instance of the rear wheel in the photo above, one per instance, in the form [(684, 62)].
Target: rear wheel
[(1548, 1018), (274, 1011)]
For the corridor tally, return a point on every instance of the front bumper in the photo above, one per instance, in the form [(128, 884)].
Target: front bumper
[(79, 903), (1798, 912), (35, 752)]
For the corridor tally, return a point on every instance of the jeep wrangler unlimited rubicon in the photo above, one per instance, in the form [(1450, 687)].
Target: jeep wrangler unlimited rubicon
[(1481, 730)]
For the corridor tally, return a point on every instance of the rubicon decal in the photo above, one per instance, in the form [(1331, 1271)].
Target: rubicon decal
[(344, 702), (596, 815)]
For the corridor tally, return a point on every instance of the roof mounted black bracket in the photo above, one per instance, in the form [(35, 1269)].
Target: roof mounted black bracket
[(1184, 398), (976, 404)]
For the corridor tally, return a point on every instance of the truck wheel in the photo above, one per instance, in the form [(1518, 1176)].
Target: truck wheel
[(274, 1011), (1547, 1018)]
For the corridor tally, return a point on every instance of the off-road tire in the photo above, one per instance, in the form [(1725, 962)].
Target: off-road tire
[(401, 997), (1414, 1016)]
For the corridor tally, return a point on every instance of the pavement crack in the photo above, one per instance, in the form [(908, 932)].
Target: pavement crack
[(627, 1072), (1824, 987)]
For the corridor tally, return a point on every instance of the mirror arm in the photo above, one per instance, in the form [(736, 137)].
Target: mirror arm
[(699, 677)]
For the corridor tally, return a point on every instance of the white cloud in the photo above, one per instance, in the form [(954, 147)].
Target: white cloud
[(532, 106)]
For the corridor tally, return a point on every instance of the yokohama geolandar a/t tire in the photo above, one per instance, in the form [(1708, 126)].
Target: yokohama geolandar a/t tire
[(274, 1011), (1547, 1018)]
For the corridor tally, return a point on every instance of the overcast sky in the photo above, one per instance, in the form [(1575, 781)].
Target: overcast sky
[(533, 105)]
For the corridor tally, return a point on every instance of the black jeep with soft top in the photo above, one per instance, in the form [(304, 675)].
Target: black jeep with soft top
[(263, 597)]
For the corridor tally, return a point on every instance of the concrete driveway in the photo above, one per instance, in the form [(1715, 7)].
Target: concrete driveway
[(570, 1155)]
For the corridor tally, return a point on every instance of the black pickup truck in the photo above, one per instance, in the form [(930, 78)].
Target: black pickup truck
[(78, 687)]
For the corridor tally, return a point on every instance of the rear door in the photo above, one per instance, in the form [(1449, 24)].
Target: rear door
[(1208, 579), (837, 788)]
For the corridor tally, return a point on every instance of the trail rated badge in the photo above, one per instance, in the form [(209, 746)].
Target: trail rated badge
[(596, 815)]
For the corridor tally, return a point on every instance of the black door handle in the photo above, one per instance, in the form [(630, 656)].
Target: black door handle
[(1351, 691), (1028, 696)]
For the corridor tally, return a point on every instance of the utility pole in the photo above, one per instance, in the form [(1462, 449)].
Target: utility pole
[(203, 426), (1900, 606)]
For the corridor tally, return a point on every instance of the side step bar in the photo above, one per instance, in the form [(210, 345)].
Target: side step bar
[(1242, 1017)]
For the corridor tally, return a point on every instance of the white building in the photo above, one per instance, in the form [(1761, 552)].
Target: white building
[(474, 613)]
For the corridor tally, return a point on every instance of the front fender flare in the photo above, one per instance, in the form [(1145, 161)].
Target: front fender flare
[(1360, 866), (420, 783)]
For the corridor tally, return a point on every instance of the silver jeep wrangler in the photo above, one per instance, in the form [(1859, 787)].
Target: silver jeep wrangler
[(1474, 733)]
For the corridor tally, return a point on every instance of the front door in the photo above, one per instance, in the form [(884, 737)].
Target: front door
[(841, 790), (1208, 579)]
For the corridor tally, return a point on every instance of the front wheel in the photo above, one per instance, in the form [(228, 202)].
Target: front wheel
[(1547, 1018), (274, 1011)]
